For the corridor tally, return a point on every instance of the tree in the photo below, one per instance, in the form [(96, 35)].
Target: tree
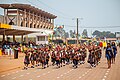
[(96, 33), (72, 34), (103, 34), (60, 32), (66, 35), (85, 34)]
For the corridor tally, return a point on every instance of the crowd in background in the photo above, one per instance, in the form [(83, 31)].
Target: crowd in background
[(61, 55)]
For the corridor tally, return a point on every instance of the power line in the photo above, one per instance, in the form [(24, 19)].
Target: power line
[(61, 14), (55, 10), (91, 27), (32, 3)]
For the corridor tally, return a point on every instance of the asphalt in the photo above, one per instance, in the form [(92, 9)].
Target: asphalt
[(83, 72)]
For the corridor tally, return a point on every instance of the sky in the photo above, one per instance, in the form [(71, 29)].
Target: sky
[(93, 14)]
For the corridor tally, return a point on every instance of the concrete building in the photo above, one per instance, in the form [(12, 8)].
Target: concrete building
[(26, 19)]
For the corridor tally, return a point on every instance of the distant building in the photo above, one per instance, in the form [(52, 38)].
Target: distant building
[(118, 35), (25, 19)]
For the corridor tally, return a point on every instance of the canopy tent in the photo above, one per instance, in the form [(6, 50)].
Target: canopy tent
[(6, 29)]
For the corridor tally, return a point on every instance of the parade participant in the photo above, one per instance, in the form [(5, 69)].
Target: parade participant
[(67, 57), (99, 53), (75, 60), (96, 56), (37, 58), (109, 54), (47, 59), (83, 54), (114, 52), (53, 58), (43, 60), (91, 58), (58, 59), (63, 56), (26, 60), (32, 59)]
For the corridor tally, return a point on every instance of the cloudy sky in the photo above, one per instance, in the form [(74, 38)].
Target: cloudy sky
[(92, 14)]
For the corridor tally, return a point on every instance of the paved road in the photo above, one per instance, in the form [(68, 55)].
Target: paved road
[(83, 72)]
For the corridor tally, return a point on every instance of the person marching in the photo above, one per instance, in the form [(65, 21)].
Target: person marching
[(43, 60), (99, 54), (75, 60), (58, 59), (109, 54), (91, 57), (63, 56), (32, 59), (53, 58), (114, 52), (67, 57), (47, 59), (26, 60)]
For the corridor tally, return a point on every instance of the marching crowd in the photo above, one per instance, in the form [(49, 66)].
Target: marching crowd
[(61, 55)]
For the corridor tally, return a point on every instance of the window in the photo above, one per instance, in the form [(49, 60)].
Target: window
[(41, 38)]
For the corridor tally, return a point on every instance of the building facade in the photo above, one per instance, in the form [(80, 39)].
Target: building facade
[(24, 15)]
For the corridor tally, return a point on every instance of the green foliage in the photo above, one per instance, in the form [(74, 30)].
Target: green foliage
[(60, 32), (85, 34), (103, 34)]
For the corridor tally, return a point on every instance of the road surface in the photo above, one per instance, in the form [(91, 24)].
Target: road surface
[(83, 72)]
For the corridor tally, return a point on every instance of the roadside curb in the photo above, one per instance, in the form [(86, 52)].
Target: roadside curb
[(11, 69)]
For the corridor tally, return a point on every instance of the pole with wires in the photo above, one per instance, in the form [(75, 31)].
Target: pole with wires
[(77, 32)]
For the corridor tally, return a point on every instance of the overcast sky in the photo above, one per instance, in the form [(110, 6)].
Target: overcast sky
[(94, 13)]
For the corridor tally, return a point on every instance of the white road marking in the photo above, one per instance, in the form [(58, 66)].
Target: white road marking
[(72, 69), (103, 79), (13, 72), (58, 77), (44, 74), (79, 77), (108, 69), (8, 74), (48, 72), (14, 78), (83, 75), (28, 73), (21, 75), (86, 72), (68, 71), (30, 79), (38, 76), (21, 70), (17, 71), (35, 71), (106, 73), (105, 76), (2, 75), (61, 75)]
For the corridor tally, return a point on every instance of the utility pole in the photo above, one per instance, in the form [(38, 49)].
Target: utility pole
[(77, 32)]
